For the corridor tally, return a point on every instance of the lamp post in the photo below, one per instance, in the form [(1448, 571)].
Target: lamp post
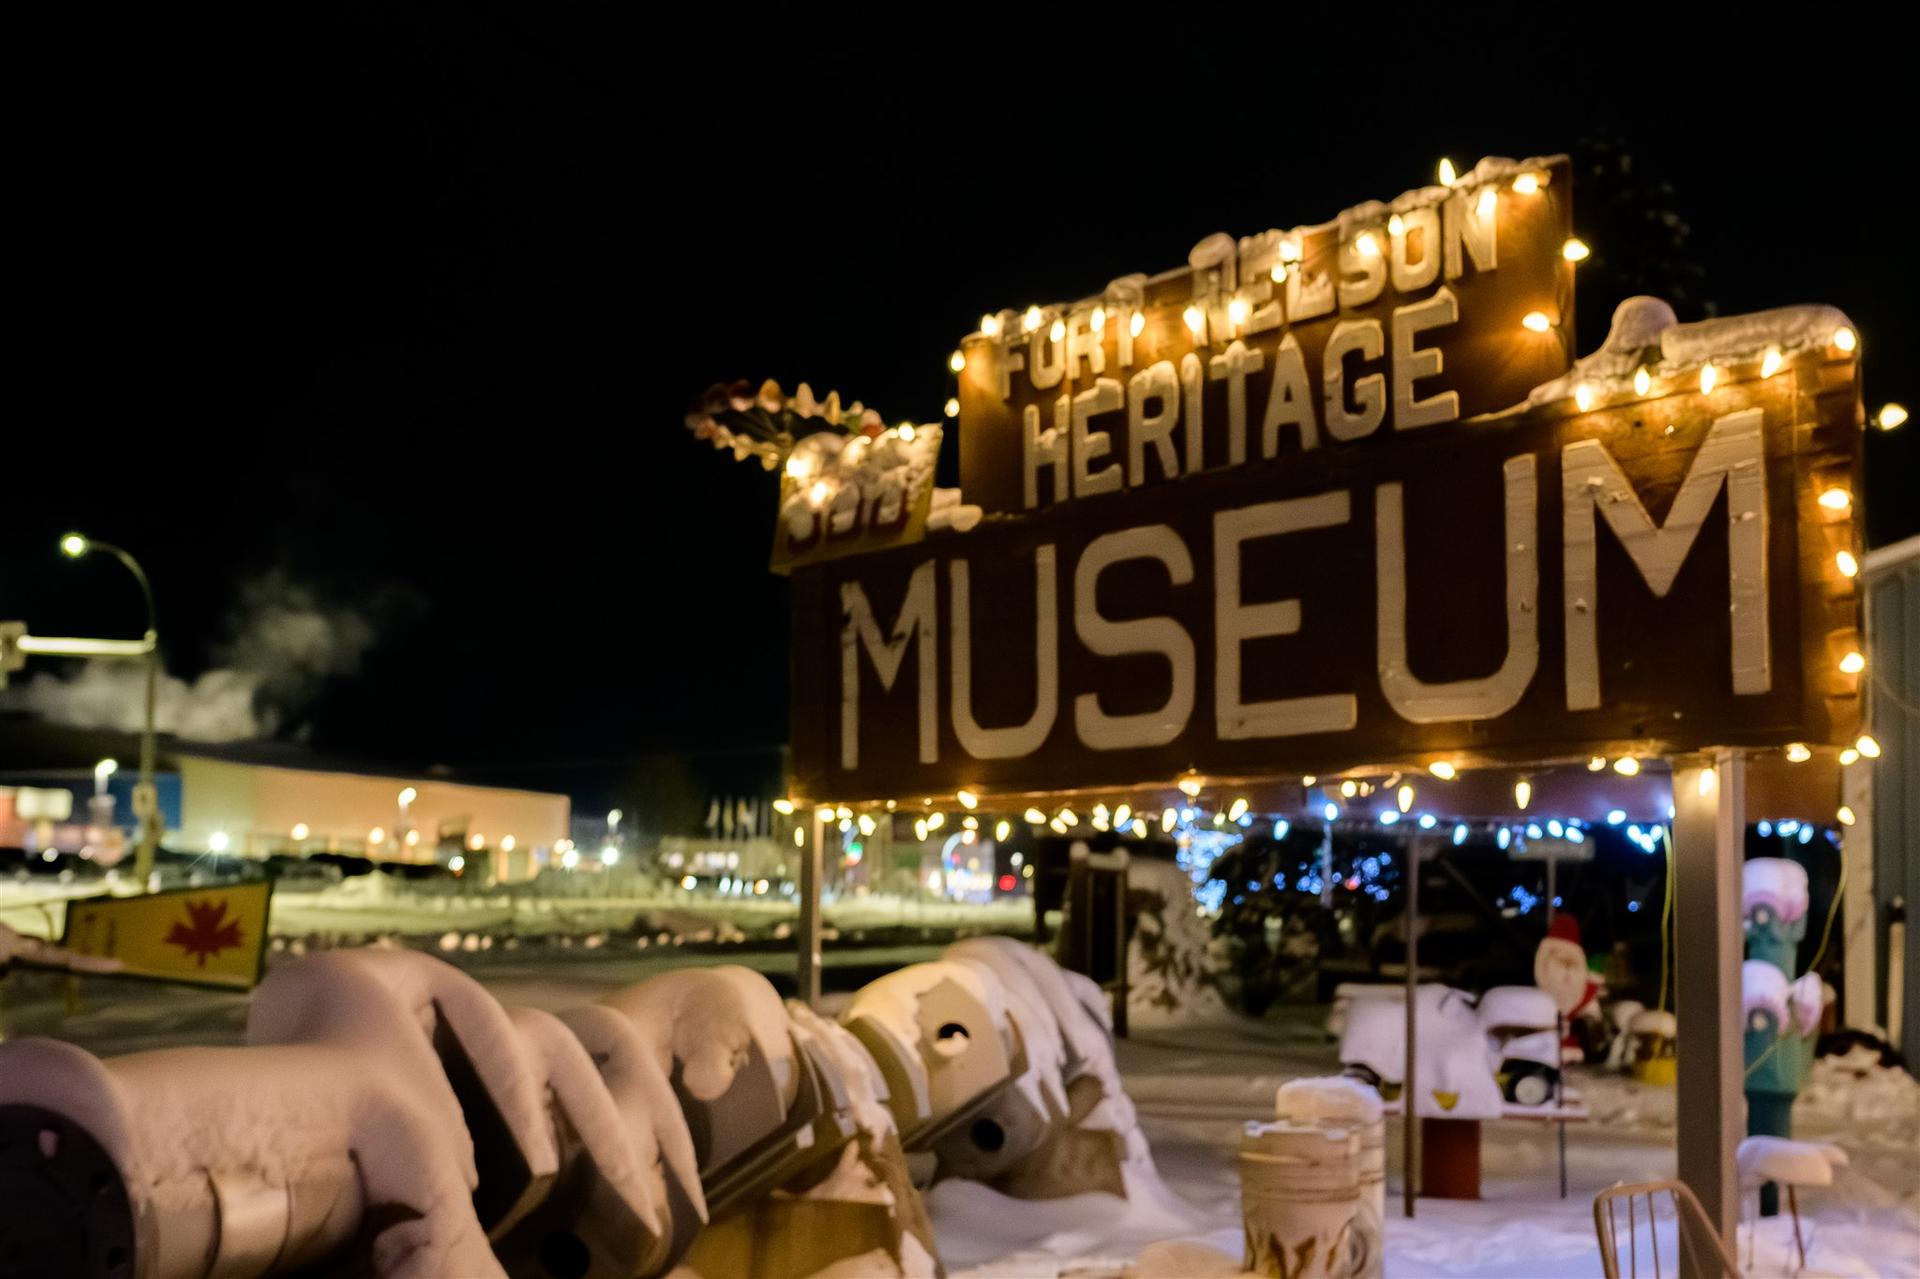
[(146, 802)]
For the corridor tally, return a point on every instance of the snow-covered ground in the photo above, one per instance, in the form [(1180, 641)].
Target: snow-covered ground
[(368, 907), (1195, 1086)]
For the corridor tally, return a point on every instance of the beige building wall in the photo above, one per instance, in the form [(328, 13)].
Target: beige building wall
[(258, 809)]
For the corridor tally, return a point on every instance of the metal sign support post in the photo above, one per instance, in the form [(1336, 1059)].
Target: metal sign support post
[(807, 935), (1409, 1116), (1709, 829)]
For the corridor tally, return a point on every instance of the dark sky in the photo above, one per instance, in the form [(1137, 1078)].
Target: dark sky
[(405, 303)]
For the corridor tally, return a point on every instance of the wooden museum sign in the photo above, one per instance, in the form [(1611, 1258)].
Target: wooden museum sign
[(1339, 497)]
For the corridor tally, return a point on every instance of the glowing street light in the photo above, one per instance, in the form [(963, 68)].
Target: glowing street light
[(146, 802)]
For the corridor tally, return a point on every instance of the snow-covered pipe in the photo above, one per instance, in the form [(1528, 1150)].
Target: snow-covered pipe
[(943, 1040)]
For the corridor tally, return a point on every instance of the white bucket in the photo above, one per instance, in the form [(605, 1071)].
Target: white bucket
[(1299, 1197), (1351, 1105)]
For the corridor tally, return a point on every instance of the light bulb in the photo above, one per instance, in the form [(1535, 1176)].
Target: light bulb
[(1642, 380), (1190, 786), (1770, 362), (1853, 663), (936, 820), (1489, 201), (1626, 766), (783, 806), (990, 326), (957, 361), (1058, 332), (1168, 817), (1034, 817), (1522, 793), (1367, 245), (1848, 566), (1530, 183), (1596, 763), (1836, 499), (1442, 769), (867, 824), (1098, 320), (906, 432), (1237, 312), (1708, 376), (1846, 339), (1137, 323), (1537, 321), (1404, 798), (1575, 250), (1583, 397), (1846, 815), (952, 407), (1238, 810), (1195, 318), (1396, 226), (1001, 830), (1867, 746), (1447, 173), (967, 799), (1349, 788), (1031, 320), (1279, 273), (1067, 817), (1797, 753), (1890, 416), (1848, 757)]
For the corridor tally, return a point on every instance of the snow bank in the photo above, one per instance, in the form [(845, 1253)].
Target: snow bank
[(1171, 969), (32, 952)]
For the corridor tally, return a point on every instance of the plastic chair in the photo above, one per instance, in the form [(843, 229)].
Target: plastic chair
[(1689, 1220)]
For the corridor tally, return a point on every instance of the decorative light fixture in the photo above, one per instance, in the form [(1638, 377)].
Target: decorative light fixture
[(1626, 766), (1836, 499), (1537, 321), (1446, 172), (1845, 339), (1853, 663), (1798, 753), (1522, 793), (1404, 797), (1034, 817), (1031, 320), (1195, 319), (1890, 416), (990, 326), (1770, 363), (967, 799), (1848, 566), (953, 407), (1867, 746), (1137, 323), (1443, 770), (1575, 250), (1583, 397), (957, 361), (1642, 380), (1708, 377)]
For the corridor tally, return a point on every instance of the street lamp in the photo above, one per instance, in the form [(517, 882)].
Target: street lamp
[(405, 828), (146, 802)]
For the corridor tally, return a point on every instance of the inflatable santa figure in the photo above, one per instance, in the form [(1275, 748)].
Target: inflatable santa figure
[(1560, 969)]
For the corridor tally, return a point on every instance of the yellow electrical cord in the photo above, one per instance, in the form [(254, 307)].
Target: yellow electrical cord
[(1666, 920)]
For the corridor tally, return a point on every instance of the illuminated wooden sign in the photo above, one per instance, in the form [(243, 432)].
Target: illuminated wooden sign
[(1648, 552), (1388, 320)]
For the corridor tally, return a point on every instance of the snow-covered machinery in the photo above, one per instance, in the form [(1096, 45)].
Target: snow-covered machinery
[(945, 1044), (1523, 1040)]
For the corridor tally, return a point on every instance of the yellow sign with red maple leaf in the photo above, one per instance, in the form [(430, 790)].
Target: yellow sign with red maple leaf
[(204, 936)]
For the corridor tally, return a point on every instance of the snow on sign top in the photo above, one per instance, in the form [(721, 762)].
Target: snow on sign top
[(1447, 302)]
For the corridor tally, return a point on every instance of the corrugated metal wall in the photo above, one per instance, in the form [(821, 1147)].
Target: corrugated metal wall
[(1893, 645)]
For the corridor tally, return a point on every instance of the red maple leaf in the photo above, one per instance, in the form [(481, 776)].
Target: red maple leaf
[(207, 931)]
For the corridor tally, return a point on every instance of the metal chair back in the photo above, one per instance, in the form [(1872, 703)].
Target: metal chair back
[(1650, 1210)]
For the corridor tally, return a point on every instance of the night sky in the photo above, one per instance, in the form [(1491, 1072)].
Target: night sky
[(400, 307)]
